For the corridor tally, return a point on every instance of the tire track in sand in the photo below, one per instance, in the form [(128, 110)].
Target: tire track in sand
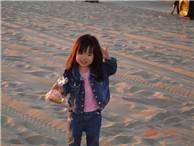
[(34, 33)]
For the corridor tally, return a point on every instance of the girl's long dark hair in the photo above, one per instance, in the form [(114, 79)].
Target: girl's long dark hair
[(81, 45)]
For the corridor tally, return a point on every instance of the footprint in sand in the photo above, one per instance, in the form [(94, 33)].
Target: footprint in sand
[(15, 141), (122, 139), (38, 139), (7, 121)]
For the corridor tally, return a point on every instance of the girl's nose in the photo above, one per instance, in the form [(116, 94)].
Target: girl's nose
[(84, 57)]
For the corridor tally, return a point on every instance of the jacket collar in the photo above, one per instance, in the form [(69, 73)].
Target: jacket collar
[(76, 73)]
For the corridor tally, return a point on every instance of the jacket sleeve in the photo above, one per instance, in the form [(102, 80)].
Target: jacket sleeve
[(66, 87), (110, 66)]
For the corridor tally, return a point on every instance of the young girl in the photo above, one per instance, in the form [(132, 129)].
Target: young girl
[(86, 80)]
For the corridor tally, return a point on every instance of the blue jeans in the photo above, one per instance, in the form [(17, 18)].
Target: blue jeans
[(89, 122)]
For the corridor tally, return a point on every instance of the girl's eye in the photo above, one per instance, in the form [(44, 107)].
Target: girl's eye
[(90, 54)]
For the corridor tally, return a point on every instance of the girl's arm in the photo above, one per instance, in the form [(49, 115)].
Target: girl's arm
[(65, 83), (110, 65)]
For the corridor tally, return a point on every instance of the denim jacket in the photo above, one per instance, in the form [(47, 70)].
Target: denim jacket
[(75, 86)]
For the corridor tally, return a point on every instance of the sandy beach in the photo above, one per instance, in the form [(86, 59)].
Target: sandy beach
[(151, 93)]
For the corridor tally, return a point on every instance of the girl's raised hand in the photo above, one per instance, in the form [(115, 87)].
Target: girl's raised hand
[(105, 53)]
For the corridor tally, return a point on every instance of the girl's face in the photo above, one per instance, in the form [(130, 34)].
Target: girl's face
[(84, 59)]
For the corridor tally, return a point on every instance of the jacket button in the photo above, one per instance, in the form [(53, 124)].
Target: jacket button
[(96, 97), (99, 102), (82, 105)]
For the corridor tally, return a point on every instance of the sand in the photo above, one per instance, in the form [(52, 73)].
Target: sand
[(151, 93)]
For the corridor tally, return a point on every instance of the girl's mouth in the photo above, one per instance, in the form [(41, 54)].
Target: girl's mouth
[(83, 62)]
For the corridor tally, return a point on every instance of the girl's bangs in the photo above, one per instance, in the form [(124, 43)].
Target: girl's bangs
[(84, 48)]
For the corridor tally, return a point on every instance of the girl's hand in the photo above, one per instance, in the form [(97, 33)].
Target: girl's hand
[(105, 53)]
